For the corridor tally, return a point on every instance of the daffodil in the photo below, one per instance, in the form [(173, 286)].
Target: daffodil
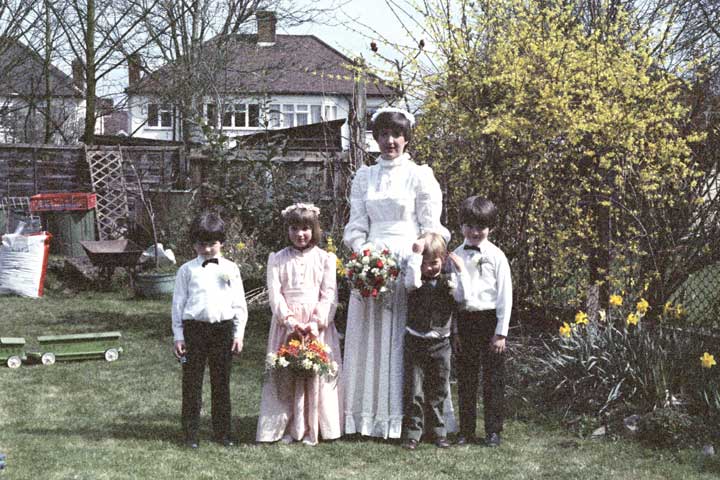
[(707, 360), (632, 319), (331, 245), (667, 308), (240, 246), (565, 330), (679, 311), (642, 306), (581, 318), (615, 300)]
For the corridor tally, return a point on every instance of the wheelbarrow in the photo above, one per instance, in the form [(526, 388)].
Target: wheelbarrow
[(109, 254)]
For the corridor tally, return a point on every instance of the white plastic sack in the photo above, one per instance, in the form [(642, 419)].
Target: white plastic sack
[(23, 263), (165, 257)]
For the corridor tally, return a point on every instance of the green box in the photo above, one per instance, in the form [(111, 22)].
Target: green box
[(12, 351), (79, 346)]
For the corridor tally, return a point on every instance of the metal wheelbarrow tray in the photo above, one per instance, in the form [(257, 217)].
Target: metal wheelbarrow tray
[(112, 253)]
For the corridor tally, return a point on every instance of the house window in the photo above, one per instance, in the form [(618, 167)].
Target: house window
[(159, 115), (297, 114), (241, 115), (211, 114)]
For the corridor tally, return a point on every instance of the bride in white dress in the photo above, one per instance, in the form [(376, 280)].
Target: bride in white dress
[(391, 203)]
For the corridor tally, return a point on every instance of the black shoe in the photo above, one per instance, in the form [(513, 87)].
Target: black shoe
[(410, 444), (442, 442), (464, 440), (492, 439), (225, 441), (192, 444)]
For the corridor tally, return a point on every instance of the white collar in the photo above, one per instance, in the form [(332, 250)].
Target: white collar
[(394, 162)]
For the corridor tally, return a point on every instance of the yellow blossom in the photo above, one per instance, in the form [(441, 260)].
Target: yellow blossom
[(565, 330), (331, 245), (616, 300), (339, 267), (679, 311), (240, 245), (581, 318), (667, 308), (294, 343), (632, 319), (707, 360), (643, 306)]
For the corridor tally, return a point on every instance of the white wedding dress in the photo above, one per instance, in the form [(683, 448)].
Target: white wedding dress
[(391, 203)]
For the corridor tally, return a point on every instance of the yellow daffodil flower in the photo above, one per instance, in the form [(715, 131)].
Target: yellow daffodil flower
[(643, 306), (633, 319), (667, 308), (707, 360), (565, 330), (581, 318), (615, 300), (331, 245), (240, 245), (679, 311)]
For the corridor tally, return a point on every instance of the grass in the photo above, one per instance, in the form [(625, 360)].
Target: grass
[(97, 420)]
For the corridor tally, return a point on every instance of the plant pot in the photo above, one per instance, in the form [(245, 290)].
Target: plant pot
[(154, 285)]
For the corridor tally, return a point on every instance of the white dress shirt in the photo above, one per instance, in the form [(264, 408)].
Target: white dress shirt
[(490, 282), (212, 293)]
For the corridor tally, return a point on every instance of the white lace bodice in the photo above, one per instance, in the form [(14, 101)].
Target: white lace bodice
[(391, 203)]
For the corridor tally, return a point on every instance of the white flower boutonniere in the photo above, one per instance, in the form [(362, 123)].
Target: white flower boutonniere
[(229, 278), (480, 259)]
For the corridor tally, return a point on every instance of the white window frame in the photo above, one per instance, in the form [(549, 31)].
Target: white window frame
[(162, 108), (296, 114)]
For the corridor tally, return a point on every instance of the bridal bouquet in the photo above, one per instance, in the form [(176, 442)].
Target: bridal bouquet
[(303, 355), (371, 272)]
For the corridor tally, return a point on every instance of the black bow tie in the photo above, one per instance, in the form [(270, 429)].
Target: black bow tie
[(210, 260), (472, 247)]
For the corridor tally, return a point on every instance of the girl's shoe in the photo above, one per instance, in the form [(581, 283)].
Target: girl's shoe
[(286, 439)]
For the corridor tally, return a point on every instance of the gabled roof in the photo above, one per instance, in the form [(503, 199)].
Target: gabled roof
[(295, 64), (21, 73)]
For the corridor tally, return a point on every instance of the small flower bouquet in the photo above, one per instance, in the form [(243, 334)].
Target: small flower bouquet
[(373, 273), (303, 355)]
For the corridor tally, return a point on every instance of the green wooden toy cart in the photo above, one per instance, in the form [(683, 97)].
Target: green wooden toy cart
[(79, 346), (12, 351)]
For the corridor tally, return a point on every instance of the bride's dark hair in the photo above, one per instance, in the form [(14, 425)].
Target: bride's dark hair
[(395, 122)]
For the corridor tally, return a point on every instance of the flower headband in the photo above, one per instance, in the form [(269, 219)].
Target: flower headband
[(409, 116), (301, 206)]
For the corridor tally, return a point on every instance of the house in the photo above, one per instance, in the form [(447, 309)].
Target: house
[(34, 105), (267, 81)]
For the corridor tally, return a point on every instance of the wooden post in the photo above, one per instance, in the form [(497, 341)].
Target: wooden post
[(358, 110)]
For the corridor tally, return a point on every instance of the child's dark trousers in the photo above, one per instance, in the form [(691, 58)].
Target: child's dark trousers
[(427, 373), (207, 343), (475, 329)]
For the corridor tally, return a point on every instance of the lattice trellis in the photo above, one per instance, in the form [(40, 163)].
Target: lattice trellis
[(108, 182)]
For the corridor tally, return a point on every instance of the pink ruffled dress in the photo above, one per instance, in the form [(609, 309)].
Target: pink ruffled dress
[(302, 289)]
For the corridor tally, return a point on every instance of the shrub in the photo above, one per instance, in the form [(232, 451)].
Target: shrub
[(665, 428)]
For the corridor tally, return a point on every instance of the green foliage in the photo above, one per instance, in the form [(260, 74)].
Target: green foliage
[(249, 191), (577, 133), (665, 428)]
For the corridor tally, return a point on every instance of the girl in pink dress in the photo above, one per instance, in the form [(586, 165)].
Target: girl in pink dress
[(302, 291)]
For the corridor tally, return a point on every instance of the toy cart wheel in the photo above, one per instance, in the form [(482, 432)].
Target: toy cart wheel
[(47, 358), (14, 362), (111, 355)]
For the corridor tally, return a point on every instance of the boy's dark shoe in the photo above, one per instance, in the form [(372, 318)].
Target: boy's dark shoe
[(410, 444), (492, 439), (225, 441), (464, 440), (442, 442)]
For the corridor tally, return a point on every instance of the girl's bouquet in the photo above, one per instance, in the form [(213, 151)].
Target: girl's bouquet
[(303, 355), (371, 272)]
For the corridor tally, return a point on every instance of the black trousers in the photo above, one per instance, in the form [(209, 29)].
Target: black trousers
[(207, 343), (426, 379), (475, 329)]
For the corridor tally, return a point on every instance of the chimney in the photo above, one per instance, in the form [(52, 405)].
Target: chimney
[(78, 74), (133, 69), (266, 21)]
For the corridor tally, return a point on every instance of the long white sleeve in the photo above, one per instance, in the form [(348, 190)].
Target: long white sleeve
[(358, 226)]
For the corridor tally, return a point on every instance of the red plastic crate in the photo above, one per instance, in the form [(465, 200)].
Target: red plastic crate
[(59, 202)]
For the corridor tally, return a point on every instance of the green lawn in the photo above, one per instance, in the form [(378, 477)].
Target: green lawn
[(98, 420)]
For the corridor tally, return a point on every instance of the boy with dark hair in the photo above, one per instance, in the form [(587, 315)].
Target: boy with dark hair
[(482, 324), (208, 322)]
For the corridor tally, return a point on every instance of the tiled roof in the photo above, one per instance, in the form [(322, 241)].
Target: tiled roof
[(21, 73), (295, 64)]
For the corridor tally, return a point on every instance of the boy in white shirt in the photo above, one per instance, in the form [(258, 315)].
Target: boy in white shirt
[(482, 322), (209, 314)]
